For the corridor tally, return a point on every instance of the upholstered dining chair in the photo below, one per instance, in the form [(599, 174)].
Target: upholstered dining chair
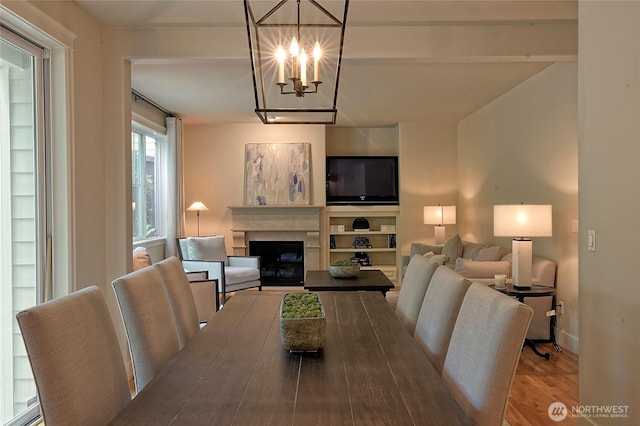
[(148, 321), (205, 295), (414, 286), (210, 254), (439, 312), (484, 352), (181, 298), (77, 365)]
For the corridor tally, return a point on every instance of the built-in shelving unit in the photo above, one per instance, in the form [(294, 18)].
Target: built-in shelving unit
[(382, 236)]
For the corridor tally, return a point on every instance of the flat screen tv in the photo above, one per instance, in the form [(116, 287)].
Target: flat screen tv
[(362, 180)]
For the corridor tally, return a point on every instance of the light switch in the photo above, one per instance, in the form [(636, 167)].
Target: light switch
[(574, 225), (591, 240)]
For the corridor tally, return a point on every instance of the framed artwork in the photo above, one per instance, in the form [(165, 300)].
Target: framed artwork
[(277, 174)]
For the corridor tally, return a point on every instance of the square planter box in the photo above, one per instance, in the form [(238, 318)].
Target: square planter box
[(303, 334)]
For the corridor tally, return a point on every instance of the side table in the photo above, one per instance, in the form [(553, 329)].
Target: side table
[(534, 291)]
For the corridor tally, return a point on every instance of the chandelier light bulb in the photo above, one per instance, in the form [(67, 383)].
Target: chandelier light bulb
[(294, 49), (281, 55), (303, 67), (317, 53)]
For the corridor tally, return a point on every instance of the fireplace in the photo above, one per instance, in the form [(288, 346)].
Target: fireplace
[(267, 224), (281, 262)]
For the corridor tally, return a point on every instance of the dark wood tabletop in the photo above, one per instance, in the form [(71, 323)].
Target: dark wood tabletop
[(235, 371), (367, 280)]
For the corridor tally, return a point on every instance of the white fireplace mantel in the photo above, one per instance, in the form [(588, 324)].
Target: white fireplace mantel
[(274, 223)]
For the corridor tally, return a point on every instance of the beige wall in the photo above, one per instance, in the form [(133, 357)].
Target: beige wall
[(214, 168), (428, 176), (609, 99), (362, 141), (523, 147)]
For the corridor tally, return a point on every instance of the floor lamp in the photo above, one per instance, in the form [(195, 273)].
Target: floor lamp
[(522, 221), (439, 216), (198, 206)]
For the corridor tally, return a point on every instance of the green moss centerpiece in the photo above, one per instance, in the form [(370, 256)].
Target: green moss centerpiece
[(345, 268), (302, 322)]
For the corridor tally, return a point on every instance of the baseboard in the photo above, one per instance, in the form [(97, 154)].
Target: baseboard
[(568, 341)]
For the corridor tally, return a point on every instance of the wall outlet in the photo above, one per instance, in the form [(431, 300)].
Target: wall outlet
[(560, 308)]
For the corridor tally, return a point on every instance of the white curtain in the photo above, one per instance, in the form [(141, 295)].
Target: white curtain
[(175, 189)]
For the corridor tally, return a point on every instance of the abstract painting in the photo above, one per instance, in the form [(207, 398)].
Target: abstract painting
[(277, 174)]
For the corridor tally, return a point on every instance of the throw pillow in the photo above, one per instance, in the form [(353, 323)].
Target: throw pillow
[(438, 258), (421, 248), (473, 269), (141, 258), (489, 254), (207, 248), (452, 249)]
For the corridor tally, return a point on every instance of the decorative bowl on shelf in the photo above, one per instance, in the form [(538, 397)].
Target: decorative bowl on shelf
[(344, 269), (302, 322)]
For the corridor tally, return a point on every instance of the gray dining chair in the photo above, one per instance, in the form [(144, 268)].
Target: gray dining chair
[(181, 298), (148, 321), (77, 365), (484, 352), (439, 312), (414, 286)]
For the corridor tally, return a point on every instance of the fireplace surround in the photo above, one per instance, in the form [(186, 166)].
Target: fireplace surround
[(278, 223)]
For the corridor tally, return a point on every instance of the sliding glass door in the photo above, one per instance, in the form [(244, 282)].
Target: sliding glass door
[(23, 241)]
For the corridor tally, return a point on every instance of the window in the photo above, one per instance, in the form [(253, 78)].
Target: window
[(147, 180), (23, 217)]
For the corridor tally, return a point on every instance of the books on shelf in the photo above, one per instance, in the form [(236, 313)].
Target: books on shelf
[(388, 228), (336, 228)]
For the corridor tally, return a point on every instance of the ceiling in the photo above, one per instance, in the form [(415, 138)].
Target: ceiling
[(403, 60)]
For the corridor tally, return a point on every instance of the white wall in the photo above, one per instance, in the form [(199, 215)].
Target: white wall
[(522, 147), (609, 95), (214, 168)]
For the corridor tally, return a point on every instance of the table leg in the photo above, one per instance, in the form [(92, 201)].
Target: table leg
[(532, 345)]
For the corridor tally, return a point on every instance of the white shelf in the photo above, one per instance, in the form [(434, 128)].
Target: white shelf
[(383, 257), (368, 250)]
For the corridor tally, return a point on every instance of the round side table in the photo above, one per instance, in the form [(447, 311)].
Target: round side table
[(521, 293)]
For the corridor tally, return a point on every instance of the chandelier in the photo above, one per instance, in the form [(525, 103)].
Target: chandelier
[(296, 52)]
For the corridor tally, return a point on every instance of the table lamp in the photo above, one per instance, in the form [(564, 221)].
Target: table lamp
[(522, 221), (439, 216), (198, 206)]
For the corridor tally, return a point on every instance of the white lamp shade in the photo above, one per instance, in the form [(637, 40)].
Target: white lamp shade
[(439, 215), (197, 206), (522, 220)]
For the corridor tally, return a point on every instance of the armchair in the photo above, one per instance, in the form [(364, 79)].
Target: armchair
[(209, 254)]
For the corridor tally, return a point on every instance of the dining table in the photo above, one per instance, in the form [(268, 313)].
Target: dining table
[(235, 371)]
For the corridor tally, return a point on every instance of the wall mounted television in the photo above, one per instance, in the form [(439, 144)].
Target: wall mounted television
[(362, 180)]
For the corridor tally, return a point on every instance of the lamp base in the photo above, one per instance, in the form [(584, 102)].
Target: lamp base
[(439, 231), (521, 263)]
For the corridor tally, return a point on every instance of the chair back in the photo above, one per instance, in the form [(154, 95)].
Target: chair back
[(182, 303), (414, 286), (78, 369), (484, 352), (439, 312), (203, 248), (148, 321)]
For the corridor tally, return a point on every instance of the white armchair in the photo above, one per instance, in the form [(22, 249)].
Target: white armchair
[(209, 254)]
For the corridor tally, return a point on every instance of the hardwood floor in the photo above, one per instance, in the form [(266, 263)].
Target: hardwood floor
[(539, 382)]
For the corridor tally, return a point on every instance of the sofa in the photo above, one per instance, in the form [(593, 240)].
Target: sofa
[(479, 262)]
